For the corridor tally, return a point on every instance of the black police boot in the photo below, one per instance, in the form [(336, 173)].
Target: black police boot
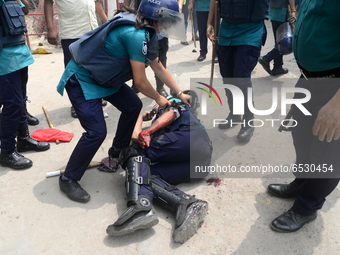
[(114, 152), (190, 212), (291, 221), (26, 143), (201, 57), (31, 120), (279, 71), (139, 215), (162, 91), (284, 190), (265, 64), (232, 121), (246, 131), (73, 190), (15, 161)]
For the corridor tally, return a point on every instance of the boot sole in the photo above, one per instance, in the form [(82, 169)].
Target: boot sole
[(16, 167), (196, 219), (147, 222)]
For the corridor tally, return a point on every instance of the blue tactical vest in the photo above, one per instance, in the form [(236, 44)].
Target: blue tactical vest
[(244, 11), (12, 24), (109, 71)]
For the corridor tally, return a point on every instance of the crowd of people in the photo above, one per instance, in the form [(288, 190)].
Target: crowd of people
[(162, 156)]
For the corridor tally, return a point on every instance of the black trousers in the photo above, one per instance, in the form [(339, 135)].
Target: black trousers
[(320, 160)]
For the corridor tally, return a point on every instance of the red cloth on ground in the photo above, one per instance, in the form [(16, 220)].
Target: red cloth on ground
[(51, 135)]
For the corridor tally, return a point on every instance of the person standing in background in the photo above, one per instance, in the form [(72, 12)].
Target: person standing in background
[(316, 136), (75, 19), (201, 8), (184, 8), (240, 38), (15, 57), (278, 14)]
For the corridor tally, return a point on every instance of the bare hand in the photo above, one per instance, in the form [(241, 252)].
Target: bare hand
[(185, 99), (292, 19), (52, 37), (144, 139), (210, 34), (327, 123), (163, 102), (190, 8)]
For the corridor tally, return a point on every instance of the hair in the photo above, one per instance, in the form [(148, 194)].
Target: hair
[(141, 21)]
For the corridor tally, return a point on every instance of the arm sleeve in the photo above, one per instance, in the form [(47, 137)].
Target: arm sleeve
[(135, 44)]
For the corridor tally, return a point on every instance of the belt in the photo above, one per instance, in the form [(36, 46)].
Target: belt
[(333, 73)]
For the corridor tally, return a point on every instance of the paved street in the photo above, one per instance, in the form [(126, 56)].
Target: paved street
[(37, 218)]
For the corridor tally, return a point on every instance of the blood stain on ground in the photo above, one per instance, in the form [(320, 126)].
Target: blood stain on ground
[(215, 181)]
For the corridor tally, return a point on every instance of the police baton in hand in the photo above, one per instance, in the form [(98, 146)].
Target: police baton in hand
[(214, 45)]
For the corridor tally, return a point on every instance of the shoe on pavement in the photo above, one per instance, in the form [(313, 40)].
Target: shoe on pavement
[(201, 57), (279, 71), (291, 221), (284, 190), (245, 133), (15, 161), (73, 190), (31, 120), (265, 64)]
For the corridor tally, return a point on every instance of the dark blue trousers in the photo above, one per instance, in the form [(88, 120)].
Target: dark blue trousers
[(236, 64), (175, 152), (202, 18), (275, 54), (65, 43), (163, 47), (91, 117), (185, 11), (12, 99), (317, 185)]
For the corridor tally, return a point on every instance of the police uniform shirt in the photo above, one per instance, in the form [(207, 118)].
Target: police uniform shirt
[(316, 40), (240, 34), (278, 14), (14, 58), (124, 40), (278, 10), (202, 5)]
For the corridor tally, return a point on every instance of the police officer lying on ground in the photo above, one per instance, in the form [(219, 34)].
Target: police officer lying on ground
[(175, 137)]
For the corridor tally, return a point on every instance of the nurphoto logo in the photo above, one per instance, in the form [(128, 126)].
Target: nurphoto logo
[(239, 102)]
